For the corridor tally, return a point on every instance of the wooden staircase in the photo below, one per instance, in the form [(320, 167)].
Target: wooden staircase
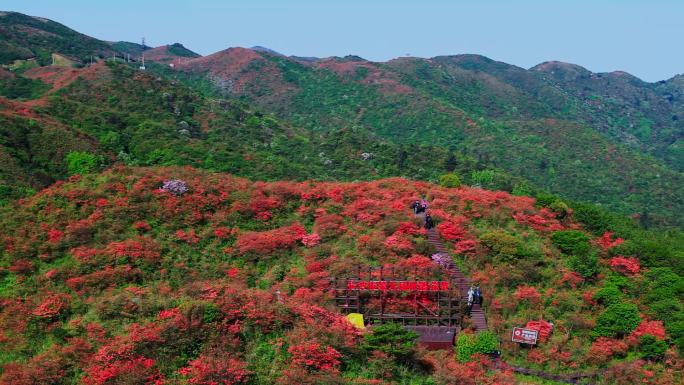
[(477, 313)]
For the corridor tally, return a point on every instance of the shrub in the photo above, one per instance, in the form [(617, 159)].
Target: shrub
[(571, 242), (315, 357), (586, 265), (594, 219), (617, 320), (676, 330), (651, 348), (449, 180), (501, 243), (608, 295), (175, 187), (391, 339), (207, 370), (81, 163), (468, 344)]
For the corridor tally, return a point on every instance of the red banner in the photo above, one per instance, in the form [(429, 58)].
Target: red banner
[(525, 336), (399, 285)]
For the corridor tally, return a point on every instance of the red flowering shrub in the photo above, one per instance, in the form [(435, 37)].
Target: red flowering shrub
[(314, 357), (398, 243), (103, 278), (207, 370), (263, 216), (453, 230), (329, 226), (629, 266), (54, 235), (606, 241), (529, 293), (571, 278), (537, 356), (21, 266), (417, 261), (266, 242), (142, 226), (223, 232), (311, 240), (408, 228), (545, 220), (189, 236), (654, 328), (134, 370), (52, 306), (136, 248), (603, 349), (543, 328), (465, 246)]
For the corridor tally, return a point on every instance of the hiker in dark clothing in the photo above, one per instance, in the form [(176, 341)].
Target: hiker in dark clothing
[(429, 223), (477, 296), (415, 206)]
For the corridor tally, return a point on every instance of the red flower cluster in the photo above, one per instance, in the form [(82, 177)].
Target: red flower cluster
[(187, 236), (266, 242), (54, 235), (207, 370), (544, 221), (571, 278), (52, 306), (315, 357), (465, 246), (135, 248), (311, 240), (606, 241), (603, 349), (654, 328), (529, 293), (453, 230), (625, 265), (544, 328)]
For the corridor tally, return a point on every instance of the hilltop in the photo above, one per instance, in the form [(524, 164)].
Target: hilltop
[(609, 139), (113, 278), (523, 122)]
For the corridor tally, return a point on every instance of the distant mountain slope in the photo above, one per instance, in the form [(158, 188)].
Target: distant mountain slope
[(25, 37), (124, 115), (494, 112)]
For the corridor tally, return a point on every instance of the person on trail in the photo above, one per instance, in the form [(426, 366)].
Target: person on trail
[(471, 294), (415, 206), (429, 223), (423, 204), (477, 295)]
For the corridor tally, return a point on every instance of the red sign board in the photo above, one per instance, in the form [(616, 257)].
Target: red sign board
[(399, 285), (525, 336)]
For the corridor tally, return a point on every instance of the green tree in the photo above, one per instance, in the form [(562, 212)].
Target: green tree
[(651, 348), (585, 264), (468, 344), (392, 339), (82, 162), (450, 180), (617, 320), (571, 242)]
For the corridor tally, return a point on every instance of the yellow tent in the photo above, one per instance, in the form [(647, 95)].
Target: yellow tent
[(356, 319)]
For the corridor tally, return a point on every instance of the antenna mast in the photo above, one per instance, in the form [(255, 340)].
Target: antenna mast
[(142, 66)]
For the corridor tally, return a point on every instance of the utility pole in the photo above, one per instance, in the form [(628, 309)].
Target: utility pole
[(142, 67)]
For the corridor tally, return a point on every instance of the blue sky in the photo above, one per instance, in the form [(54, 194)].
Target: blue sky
[(640, 37)]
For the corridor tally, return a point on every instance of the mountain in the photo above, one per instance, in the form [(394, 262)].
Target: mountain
[(176, 275), (114, 113), (34, 38), (506, 117), (28, 37)]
